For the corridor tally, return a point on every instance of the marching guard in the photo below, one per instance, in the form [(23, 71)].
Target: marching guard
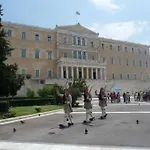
[(67, 101), (102, 103), (88, 106)]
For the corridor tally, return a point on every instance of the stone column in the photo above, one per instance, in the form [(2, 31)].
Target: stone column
[(67, 73), (101, 73), (82, 73), (87, 73), (77, 71), (91, 73), (72, 72), (58, 76), (62, 72), (96, 73)]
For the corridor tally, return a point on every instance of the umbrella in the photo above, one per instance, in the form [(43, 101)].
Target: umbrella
[(116, 88)]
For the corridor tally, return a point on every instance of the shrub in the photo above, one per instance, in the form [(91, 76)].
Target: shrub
[(45, 92), (38, 109), (9, 115), (4, 106), (30, 93)]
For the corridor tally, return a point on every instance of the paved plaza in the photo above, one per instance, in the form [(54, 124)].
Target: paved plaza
[(118, 131)]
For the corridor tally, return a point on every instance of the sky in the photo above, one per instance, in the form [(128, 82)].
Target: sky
[(127, 20)]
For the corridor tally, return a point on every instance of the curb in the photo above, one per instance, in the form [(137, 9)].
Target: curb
[(28, 116)]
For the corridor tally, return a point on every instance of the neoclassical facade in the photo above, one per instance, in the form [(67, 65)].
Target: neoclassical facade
[(75, 52)]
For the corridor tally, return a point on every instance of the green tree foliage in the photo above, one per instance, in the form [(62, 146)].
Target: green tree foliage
[(10, 82), (30, 93)]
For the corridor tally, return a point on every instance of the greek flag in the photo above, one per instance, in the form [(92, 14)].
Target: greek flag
[(77, 13)]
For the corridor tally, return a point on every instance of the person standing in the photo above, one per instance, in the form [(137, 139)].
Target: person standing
[(102, 103), (88, 106)]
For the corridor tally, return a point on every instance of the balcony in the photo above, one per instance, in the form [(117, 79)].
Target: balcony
[(80, 62)]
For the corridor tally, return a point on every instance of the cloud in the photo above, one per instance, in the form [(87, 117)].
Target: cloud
[(120, 30), (107, 5)]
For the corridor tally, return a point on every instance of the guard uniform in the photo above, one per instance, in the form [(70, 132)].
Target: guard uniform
[(88, 106)]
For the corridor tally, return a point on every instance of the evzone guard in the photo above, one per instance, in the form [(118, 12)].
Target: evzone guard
[(67, 102), (102, 103), (88, 106)]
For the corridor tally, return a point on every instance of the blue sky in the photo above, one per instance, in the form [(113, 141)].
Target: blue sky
[(127, 20)]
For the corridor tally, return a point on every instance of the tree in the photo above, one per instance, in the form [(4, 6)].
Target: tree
[(10, 81)]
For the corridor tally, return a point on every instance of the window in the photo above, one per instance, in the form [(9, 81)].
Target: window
[(140, 62), (118, 48), (75, 54), (49, 38), (92, 44), (84, 55), (23, 35), (37, 54), (139, 51), (125, 49), (104, 59), (112, 60), (49, 73), (9, 33), (145, 52), (23, 53), (110, 47), (127, 62), (119, 61), (9, 53), (133, 50), (113, 76), (83, 41), (134, 63), (37, 73), (128, 76), (49, 55), (93, 58), (65, 55), (121, 76), (146, 64), (79, 55), (135, 76), (102, 45), (79, 41), (23, 71), (36, 36), (74, 40), (65, 40)]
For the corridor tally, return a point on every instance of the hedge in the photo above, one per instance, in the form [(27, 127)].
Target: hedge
[(4, 106)]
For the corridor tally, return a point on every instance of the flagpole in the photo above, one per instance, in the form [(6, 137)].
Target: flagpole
[(76, 18)]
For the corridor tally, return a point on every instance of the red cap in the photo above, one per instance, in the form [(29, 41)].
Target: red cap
[(66, 90), (86, 89)]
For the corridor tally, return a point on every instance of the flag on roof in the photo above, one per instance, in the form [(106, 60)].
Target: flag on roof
[(77, 13)]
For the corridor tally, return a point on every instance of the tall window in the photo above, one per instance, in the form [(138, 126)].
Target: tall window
[(49, 73), (121, 76), (133, 50), (113, 75), (92, 44), (112, 60), (23, 53), (128, 76), (23, 35), (37, 54), (134, 63), (102, 45), (110, 47), (36, 36), (93, 58), (83, 41), (79, 41), (23, 71), (79, 55), (49, 55), (135, 76), (104, 59), (146, 64), (145, 52), (140, 62), (74, 40), (139, 51), (37, 73), (118, 48), (127, 62), (84, 55), (49, 38), (125, 49), (65, 40), (119, 60), (75, 54), (9, 33), (65, 55)]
